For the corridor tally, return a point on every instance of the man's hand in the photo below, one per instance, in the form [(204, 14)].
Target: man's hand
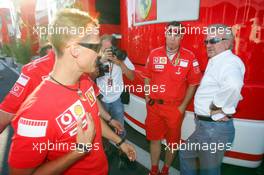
[(5, 119), (224, 119), (108, 56), (181, 109), (147, 99), (117, 125), (219, 111), (129, 150), (85, 136), (115, 60)]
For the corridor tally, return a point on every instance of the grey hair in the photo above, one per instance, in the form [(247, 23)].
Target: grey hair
[(222, 27), (111, 38)]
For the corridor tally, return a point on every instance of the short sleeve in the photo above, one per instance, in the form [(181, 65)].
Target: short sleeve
[(19, 92), (96, 89), (30, 142), (194, 75), (129, 64)]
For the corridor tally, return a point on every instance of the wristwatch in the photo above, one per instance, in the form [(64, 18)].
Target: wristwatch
[(121, 142), (83, 148), (109, 121)]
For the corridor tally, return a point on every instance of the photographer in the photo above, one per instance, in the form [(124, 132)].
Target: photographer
[(114, 63)]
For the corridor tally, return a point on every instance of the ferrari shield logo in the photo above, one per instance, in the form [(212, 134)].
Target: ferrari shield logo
[(144, 7), (90, 96)]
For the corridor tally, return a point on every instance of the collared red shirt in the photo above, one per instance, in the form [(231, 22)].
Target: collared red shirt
[(31, 76), (221, 84), (172, 77)]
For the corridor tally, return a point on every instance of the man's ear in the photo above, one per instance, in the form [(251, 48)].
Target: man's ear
[(228, 44), (75, 51)]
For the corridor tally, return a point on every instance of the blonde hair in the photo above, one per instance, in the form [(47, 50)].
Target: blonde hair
[(68, 24)]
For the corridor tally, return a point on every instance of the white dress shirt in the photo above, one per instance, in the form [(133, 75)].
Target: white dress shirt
[(112, 93), (221, 84)]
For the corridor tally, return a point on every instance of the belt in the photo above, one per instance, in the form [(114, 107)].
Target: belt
[(152, 101), (207, 118)]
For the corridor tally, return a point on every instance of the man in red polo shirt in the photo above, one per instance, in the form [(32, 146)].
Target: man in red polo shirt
[(31, 76), (57, 129), (177, 70)]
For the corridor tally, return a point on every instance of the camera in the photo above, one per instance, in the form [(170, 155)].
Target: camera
[(101, 67), (121, 55)]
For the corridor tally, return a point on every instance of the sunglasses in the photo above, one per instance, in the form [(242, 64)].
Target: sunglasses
[(94, 47), (214, 40)]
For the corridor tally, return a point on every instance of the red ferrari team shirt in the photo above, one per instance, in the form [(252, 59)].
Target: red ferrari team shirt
[(45, 128), (31, 76), (169, 79)]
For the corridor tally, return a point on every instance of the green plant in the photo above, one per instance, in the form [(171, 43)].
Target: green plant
[(6, 50), (20, 50)]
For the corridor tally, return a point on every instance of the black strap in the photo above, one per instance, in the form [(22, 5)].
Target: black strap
[(207, 117), (121, 142), (204, 118)]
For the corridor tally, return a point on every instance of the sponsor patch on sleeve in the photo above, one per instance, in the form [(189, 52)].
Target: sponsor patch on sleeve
[(32, 128), (17, 90), (23, 80)]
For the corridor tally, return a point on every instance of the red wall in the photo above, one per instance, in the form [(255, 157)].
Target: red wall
[(246, 15)]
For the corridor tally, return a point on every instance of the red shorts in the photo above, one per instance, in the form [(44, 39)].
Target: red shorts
[(163, 122)]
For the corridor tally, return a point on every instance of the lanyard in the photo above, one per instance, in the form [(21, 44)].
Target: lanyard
[(111, 66), (176, 61)]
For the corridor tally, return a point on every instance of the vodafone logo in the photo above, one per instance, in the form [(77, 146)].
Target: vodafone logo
[(68, 119)]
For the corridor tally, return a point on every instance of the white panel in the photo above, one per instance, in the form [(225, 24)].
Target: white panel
[(177, 10), (174, 10), (239, 162)]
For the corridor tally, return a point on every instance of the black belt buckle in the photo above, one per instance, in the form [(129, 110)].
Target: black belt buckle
[(160, 101), (204, 118)]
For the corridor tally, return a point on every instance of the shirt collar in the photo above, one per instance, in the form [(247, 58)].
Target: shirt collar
[(218, 57)]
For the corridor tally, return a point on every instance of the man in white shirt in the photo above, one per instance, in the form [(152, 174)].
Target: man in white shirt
[(111, 84), (214, 104)]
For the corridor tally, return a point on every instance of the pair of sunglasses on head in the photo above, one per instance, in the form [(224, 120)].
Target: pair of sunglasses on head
[(214, 40)]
